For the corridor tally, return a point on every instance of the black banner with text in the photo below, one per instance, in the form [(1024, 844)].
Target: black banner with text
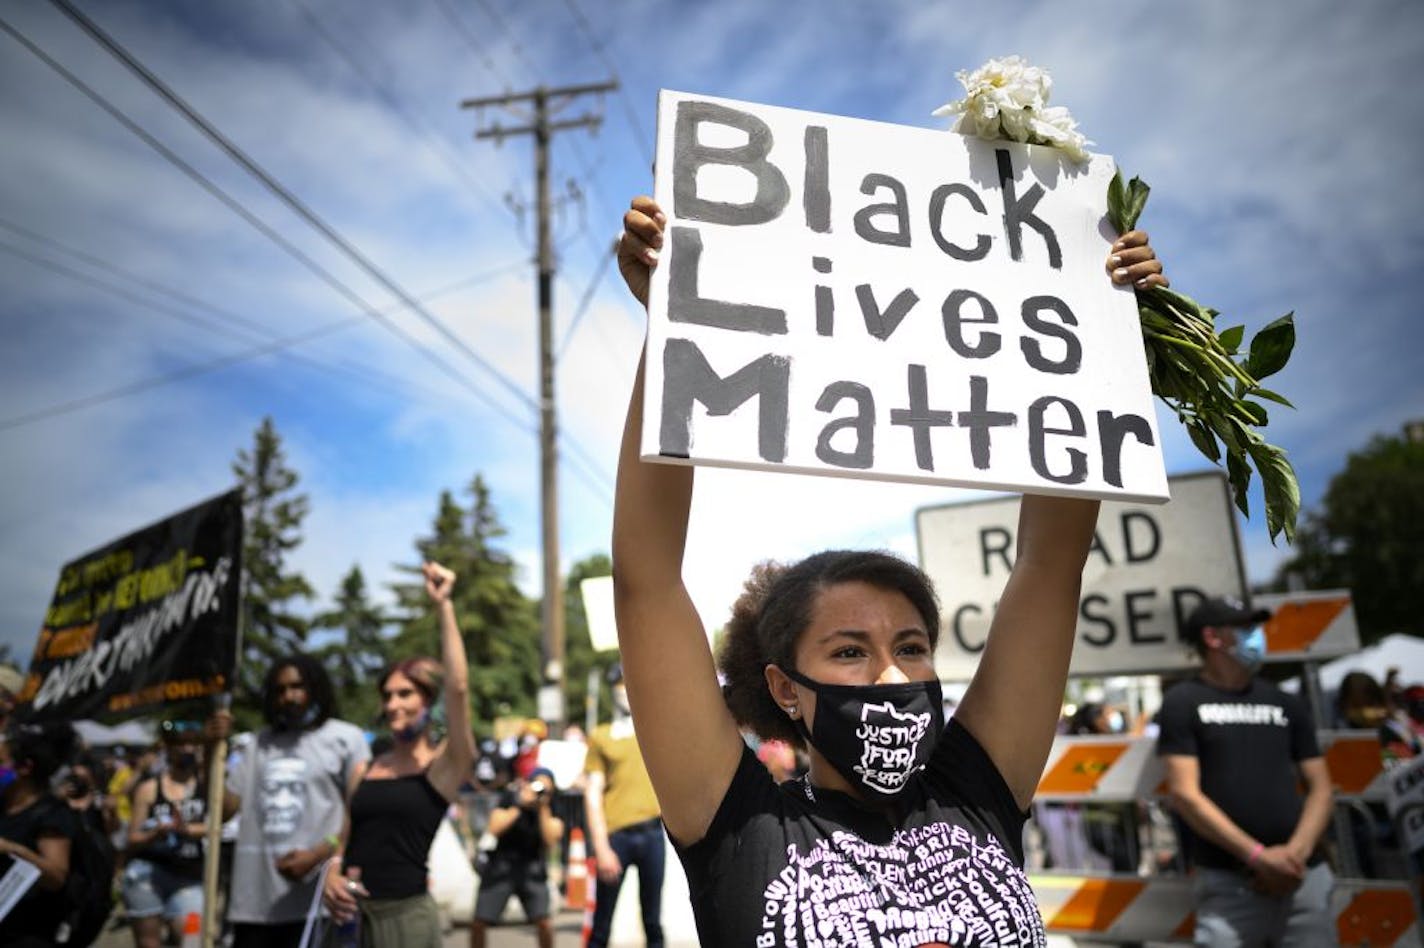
[(148, 620)]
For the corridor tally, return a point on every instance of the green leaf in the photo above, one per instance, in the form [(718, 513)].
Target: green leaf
[(1202, 438), (1238, 472), (1271, 396), (1257, 413), (1230, 435), (1271, 347), (1281, 489), (1182, 302), (1137, 191), (1231, 338), (1117, 200)]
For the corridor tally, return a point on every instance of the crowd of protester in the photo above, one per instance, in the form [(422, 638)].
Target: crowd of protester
[(117, 832)]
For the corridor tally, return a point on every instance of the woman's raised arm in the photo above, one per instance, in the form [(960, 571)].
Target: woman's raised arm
[(457, 755), (685, 732)]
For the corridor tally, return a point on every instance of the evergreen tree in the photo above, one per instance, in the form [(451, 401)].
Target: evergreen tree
[(273, 514), (579, 655), (500, 624), (1366, 536), (357, 659)]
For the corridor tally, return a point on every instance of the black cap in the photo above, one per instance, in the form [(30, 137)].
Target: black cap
[(1221, 611)]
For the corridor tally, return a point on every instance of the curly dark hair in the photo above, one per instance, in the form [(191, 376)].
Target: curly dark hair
[(320, 692), (775, 608)]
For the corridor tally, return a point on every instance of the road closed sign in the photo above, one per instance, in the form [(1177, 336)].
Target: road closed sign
[(1146, 571)]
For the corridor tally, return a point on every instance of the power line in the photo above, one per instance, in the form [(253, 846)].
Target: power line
[(362, 372), (514, 43), (585, 467), (429, 137), (640, 136), (213, 134), (160, 289), (261, 226), (460, 27), (188, 318), (587, 298), (237, 208), (163, 289)]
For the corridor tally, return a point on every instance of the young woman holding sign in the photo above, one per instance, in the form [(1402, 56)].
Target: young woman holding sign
[(904, 831)]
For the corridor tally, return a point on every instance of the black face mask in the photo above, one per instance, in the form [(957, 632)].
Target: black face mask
[(291, 718), (877, 736), (187, 760)]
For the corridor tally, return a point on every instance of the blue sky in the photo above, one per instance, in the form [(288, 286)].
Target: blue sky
[(1281, 140)]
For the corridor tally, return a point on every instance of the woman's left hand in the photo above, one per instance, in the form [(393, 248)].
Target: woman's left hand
[(1134, 262), (339, 892), (439, 581)]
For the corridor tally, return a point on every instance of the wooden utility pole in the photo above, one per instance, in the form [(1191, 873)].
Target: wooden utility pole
[(546, 101)]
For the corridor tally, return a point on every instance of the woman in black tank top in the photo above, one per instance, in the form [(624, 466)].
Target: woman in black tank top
[(396, 805)]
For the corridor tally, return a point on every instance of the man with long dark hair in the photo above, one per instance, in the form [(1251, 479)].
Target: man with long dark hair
[(291, 785)]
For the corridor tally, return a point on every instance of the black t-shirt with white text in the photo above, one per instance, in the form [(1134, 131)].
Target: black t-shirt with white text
[(40, 910), (1248, 744), (798, 865)]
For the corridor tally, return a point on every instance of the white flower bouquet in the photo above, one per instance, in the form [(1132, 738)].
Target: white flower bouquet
[(1194, 369)]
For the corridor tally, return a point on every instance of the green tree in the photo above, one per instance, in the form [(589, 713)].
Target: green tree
[(1367, 536), (273, 513), (579, 655), (357, 658), (500, 624)]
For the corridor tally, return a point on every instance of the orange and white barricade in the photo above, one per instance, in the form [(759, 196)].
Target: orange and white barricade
[(1159, 909), (1309, 626), (1120, 769)]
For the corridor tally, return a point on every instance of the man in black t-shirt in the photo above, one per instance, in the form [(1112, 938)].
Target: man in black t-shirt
[(524, 823), (1236, 749)]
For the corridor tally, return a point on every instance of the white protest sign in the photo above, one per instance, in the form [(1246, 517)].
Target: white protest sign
[(845, 297), (15, 883), (1147, 569), (564, 758), (597, 595), (1406, 802)]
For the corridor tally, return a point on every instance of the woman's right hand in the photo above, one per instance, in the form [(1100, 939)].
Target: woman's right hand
[(638, 248), (341, 891)]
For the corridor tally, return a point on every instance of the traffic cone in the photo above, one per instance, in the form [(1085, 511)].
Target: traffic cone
[(590, 903), (192, 930), (576, 880)]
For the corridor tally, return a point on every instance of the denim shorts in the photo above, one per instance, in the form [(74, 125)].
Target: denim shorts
[(150, 890)]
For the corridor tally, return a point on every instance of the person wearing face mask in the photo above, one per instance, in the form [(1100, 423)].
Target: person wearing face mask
[(1108, 828), (397, 802), (1236, 749), (624, 824), (163, 877), (290, 787), (904, 830)]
